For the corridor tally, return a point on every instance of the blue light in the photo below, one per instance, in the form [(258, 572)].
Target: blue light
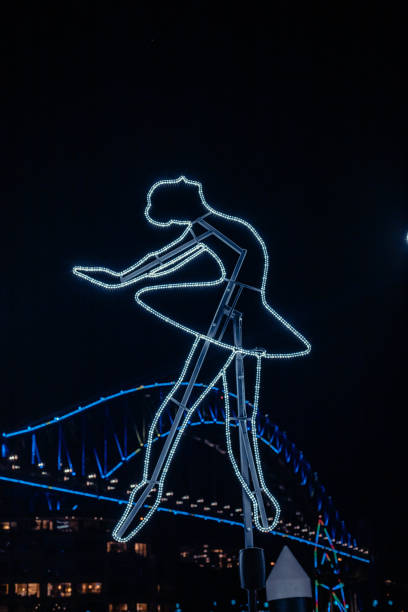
[(233, 602), (390, 602), (49, 502), (375, 603), (276, 443), (75, 507), (67, 415), (266, 605), (175, 512)]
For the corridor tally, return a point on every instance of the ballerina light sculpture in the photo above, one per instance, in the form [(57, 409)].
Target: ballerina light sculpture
[(190, 245)]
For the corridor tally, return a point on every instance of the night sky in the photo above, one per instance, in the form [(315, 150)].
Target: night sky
[(294, 120)]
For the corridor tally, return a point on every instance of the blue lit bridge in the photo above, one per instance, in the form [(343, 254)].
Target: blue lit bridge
[(93, 453)]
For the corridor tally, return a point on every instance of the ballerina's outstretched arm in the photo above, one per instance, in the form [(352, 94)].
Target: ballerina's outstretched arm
[(157, 263)]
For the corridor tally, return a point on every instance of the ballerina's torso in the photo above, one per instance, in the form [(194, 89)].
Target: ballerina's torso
[(188, 299)]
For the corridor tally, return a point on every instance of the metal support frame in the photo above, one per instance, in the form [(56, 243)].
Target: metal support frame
[(248, 471), (221, 311), (225, 314)]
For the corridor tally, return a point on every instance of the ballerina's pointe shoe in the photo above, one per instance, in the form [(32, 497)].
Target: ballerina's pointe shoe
[(142, 504)]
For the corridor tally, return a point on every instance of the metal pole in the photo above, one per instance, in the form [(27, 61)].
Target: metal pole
[(251, 559), (242, 416)]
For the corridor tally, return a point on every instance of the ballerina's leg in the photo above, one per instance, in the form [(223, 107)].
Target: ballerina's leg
[(145, 486), (257, 455), (157, 478), (188, 415), (254, 461)]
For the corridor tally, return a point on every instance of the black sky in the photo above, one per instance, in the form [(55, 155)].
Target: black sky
[(294, 119)]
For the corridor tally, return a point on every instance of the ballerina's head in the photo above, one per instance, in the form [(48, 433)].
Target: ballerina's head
[(175, 202)]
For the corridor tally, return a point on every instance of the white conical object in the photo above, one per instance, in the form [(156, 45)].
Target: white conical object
[(288, 578)]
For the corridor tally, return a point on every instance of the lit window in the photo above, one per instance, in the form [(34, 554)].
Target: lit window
[(33, 589), (119, 607), (4, 589), (27, 589), (90, 588), (116, 547), (141, 607), (40, 524), (59, 589), (141, 550), (7, 525)]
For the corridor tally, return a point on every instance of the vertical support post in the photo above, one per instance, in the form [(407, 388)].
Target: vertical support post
[(32, 449), (105, 441), (240, 385), (125, 418), (83, 445), (59, 446), (251, 559)]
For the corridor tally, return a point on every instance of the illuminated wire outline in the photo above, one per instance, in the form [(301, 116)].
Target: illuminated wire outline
[(160, 483), (160, 268), (191, 254)]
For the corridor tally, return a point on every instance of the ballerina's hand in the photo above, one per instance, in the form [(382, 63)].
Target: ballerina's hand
[(103, 277)]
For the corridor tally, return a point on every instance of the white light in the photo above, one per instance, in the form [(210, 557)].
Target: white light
[(172, 450), (164, 268), (180, 261)]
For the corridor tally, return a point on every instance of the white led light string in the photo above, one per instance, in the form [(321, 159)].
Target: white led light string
[(160, 482), (253, 353), (165, 268), (162, 407), (264, 279), (79, 270), (258, 463), (237, 471)]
